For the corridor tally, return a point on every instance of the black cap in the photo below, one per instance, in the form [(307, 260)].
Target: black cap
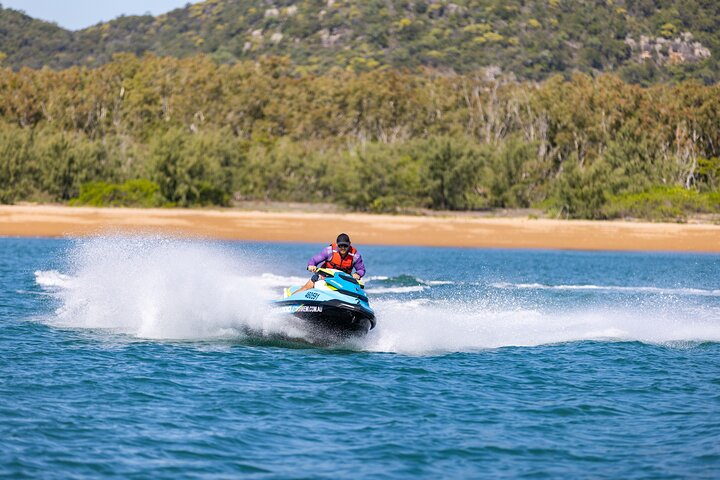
[(343, 239)]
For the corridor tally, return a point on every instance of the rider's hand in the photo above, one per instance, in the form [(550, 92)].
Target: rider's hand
[(312, 268), (357, 277)]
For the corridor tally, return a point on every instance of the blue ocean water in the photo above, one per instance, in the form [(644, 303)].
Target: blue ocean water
[(150, 357)]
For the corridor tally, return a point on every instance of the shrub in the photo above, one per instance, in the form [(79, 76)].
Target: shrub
[(133, 193), (662, 203)]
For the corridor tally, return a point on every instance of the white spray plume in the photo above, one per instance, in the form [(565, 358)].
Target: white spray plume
[(159, 287)]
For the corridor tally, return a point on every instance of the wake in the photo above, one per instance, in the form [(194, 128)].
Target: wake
[(419, 327)]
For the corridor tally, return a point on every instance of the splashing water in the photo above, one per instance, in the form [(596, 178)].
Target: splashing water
[(163, 288), (159, 288), (421, 328)]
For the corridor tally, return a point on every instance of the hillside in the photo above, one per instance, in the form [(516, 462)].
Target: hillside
[(25, 41), (645, 41)]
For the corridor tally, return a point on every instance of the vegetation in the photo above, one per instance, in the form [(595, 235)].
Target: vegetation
[(165, 131), (133, 193), (663, 203), (644, 41)]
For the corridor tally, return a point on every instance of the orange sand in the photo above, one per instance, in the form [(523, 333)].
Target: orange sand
[(364, 229)]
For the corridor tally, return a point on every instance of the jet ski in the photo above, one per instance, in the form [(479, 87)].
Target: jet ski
[(336, 305)]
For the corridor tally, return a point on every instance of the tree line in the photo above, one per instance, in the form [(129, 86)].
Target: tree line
[(186, 132)]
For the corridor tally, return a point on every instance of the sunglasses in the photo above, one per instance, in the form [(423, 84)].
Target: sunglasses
[(343, 246)]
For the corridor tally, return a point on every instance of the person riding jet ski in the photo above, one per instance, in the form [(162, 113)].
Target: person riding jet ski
[(340, 255), (332, 304)]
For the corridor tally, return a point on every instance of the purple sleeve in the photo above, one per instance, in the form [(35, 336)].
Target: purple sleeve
[(359, 265), (321, 257)]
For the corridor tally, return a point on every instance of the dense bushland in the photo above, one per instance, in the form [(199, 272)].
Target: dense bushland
[(204, 133)]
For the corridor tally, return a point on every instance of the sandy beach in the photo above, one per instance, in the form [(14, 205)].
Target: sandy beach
[(450, 231)]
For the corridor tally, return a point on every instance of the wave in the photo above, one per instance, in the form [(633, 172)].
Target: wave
[(160, 288), (52, 278), (402, 284), (416, 288), (396, 281), (438, 327), (610, 288)]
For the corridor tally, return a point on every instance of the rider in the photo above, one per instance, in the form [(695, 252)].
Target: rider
[(340, 255)]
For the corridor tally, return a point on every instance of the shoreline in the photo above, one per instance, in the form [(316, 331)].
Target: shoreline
[(363, 228)]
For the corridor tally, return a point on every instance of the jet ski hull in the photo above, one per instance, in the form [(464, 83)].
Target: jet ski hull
[(336, 307), (334, 317)]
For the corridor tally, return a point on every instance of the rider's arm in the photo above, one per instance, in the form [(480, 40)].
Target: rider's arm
[(359, 265), (321, 257)]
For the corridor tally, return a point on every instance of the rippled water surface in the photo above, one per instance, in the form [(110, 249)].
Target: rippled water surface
[(148, 357)]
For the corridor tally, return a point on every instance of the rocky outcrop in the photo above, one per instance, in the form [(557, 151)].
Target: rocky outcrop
[(668, 51)]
